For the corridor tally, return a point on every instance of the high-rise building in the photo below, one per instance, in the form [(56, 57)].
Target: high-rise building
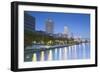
[(49, 26), (29, 22), (66, 30)]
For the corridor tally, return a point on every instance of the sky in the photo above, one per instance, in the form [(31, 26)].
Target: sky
[(77, 23)]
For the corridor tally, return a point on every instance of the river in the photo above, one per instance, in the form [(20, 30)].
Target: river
[(81, 51)]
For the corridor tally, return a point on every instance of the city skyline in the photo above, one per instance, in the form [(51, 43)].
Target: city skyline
[(78, 24)]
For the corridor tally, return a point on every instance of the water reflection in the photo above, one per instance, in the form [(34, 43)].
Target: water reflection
[(81, 51)]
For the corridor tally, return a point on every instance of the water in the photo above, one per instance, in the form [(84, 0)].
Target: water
[(81, 51)]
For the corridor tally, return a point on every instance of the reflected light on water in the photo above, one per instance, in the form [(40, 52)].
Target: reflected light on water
[(81, 51)]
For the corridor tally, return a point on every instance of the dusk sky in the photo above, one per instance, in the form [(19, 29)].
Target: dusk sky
[(78, 24)]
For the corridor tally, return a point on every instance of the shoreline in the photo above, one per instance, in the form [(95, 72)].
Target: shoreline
[(45, 47)]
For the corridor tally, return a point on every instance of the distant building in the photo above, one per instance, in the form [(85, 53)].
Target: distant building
[(49, 26), (29, 22), (66, 31)]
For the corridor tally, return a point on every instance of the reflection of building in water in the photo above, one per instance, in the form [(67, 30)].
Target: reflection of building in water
[(49, 26), (29, 22), (80, 51)]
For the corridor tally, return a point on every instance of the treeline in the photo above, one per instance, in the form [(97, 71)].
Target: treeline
[(42, 38)]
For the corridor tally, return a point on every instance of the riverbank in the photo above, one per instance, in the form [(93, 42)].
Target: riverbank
[(41, 47)]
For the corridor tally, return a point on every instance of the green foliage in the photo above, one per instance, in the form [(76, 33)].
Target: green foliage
[(36, 37)]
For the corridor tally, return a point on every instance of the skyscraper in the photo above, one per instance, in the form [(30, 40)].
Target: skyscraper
[(66, 31), (29, 22), (49, 26)]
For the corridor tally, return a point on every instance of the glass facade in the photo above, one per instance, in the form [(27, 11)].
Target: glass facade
[(29, 22)]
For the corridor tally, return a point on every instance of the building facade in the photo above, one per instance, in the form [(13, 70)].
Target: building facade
[(66, 32), (49, 26), (29, 22)]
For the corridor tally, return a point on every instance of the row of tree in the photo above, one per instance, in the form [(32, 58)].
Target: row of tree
[(41, 38)]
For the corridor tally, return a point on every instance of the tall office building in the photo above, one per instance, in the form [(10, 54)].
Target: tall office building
[(49, 26), (66, 30), (29, 22)]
